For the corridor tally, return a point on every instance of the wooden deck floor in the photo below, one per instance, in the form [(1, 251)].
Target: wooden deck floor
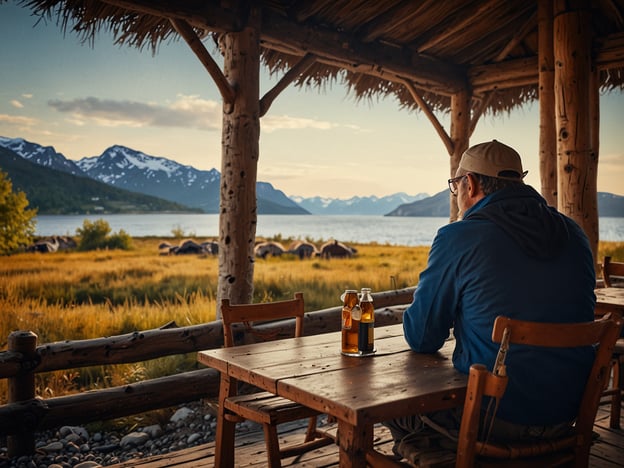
[(607, 451)]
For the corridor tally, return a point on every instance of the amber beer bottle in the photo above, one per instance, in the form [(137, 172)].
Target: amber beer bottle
[(350, 322), (366, 335)]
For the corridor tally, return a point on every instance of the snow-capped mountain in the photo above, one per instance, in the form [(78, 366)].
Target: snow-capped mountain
[(372, 205), (42, 155), (133, 170), (161, 177)]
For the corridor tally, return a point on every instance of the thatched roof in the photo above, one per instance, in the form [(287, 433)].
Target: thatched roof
[(373, 47)]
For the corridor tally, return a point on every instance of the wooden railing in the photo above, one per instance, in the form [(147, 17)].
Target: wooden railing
[(25, 413)]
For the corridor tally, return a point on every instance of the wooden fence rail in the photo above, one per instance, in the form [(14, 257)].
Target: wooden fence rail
[(25, 413)]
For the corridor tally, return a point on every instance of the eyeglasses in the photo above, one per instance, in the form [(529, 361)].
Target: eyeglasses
[(452, 183)]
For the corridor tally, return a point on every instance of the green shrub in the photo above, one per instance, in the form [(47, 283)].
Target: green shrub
[(95, 235), (120, 240)]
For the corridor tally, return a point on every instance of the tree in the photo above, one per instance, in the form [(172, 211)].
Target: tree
[(17, 224)]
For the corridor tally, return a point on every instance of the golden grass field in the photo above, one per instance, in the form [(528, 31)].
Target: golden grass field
[(80, 295)]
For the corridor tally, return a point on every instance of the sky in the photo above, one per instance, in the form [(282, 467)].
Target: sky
[(84, 98)]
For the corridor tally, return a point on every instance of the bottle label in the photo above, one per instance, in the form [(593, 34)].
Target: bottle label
[(366, 337), (346, 318)]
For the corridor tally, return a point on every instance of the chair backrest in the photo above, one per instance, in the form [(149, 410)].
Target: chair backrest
[(260, 312), (481, 383), (610, 270)]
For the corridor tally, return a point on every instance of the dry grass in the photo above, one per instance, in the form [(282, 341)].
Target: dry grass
[(81, 295)]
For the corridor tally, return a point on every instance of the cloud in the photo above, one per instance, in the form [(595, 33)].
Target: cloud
[(271, 123), (610, 163), (17, 121), (185, 112), (16, 103)]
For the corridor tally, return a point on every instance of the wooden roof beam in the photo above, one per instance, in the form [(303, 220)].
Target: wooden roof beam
[(200, 14), (336, 48), (608, 52), (518, 37), (461, 21), (614, 12), (446, 139), (395, 16), (228, 93), (478, 110), (292, 74), (341, 49), (502, 75)]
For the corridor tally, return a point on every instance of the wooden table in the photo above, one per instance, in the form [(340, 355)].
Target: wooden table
[(359, 392), (609, 300)]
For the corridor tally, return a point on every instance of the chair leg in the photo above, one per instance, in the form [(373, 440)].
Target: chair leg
[(311, 432), (224, 443), (272, 446), (616, 398)]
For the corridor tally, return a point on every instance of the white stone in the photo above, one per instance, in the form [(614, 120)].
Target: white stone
[(154, 430), (81, 431), (193, 438), (134, 439), (87, 464), (53, 447), (181, 414)]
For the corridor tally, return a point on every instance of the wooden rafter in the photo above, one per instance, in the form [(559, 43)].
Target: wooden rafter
[(517, 38), (458, 25), (395, 16), (446, 139), (208, 16), (335, 47), (489, 95), (306, 62), (478, 111), (353, 53), (186, 31)]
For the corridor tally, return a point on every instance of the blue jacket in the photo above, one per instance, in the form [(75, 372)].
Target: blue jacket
[(511, 255)]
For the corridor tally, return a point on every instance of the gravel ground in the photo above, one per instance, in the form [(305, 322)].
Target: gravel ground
[(189, 425)]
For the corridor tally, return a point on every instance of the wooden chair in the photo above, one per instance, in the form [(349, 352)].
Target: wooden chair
[(571, 449), (262, 407), (614, 388), (612, 273), (613, 276)]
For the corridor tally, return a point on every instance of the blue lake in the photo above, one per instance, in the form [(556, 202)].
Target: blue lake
[(352, 228)]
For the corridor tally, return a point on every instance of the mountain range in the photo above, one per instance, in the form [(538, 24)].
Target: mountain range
[(57, 192), (438, 205), (135, 171), (112, 181)]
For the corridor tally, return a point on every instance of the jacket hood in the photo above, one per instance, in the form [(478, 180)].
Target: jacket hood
[(540, 230)]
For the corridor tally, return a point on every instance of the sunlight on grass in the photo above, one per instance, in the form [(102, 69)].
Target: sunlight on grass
[(82, 295)]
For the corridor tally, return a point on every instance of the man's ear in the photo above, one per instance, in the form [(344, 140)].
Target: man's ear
[(473, 185)]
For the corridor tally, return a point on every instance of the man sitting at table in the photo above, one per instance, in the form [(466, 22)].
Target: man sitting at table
[(511, 255)]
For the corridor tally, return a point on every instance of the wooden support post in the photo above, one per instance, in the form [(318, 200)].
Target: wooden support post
[(594, 98), (577, 160), (22, 388), (239, 165), (548, 135), (460, 135)]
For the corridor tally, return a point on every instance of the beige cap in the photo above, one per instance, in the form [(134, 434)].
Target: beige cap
[(493, 159)]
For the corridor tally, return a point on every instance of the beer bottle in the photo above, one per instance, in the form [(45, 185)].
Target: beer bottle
[(350, 322), (366, 335)]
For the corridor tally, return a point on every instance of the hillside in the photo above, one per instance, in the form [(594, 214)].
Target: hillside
[(609, 205), (56, 192), (160, 177), (434, 206)]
